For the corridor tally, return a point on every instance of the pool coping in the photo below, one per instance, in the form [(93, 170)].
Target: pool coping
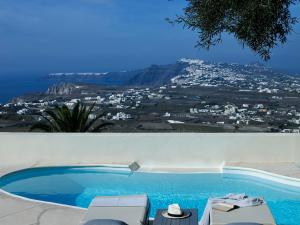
[(295, 182), (291, 181)]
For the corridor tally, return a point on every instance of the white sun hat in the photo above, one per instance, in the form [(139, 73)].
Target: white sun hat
[(174, 211)]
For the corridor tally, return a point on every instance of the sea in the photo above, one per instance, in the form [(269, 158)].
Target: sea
[(14, 86)]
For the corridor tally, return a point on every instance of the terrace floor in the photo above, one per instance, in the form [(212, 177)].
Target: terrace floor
[(18, 211)]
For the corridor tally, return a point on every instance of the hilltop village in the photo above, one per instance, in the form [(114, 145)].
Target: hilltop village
[(202, 97)]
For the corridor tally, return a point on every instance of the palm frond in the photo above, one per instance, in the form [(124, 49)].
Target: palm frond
[(64, 119), (101, 127), (50, 122), (92, 122), (42, 127)]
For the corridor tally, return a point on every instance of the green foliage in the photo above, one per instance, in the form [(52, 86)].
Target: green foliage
[(259, 24), (63, 119)]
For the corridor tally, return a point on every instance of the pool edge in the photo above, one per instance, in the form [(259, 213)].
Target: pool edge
[(291, 181)]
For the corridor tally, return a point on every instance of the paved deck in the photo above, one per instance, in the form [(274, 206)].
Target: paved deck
[(17, 211)]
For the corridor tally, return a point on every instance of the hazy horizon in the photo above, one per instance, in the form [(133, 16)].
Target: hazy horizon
[(39, 37)]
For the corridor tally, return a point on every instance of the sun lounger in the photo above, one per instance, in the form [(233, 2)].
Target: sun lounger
[(237, 209), (113, 210), (104, 222), (243, 224), (260, 215)]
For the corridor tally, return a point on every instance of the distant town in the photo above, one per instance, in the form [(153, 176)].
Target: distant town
[(188, 96)]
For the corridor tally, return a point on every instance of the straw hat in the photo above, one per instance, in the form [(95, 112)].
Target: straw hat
[(174, 211)]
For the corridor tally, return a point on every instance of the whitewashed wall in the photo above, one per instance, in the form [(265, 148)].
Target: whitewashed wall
[(150, 150), (297, 151)]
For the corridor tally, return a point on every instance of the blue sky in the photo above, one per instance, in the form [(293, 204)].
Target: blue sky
[(42, 36)]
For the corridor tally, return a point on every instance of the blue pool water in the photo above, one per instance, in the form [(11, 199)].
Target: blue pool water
[(77, 186)]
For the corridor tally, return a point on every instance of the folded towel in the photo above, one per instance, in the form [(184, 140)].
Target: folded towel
[(235, 196), (225, 207), (239, 200)]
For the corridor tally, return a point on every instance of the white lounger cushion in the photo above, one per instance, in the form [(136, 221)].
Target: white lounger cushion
[(131, 200), (130, 209), (255, 214), (243, 224), (107, 222)]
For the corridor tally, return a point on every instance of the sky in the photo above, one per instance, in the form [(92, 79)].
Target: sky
[(43, 36)]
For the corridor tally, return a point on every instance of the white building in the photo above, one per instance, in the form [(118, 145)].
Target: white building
[(121, 116), (258, 106), (22, 111), (167, 114), (230, 109)]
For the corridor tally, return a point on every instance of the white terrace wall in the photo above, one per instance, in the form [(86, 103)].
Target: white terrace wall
[(297, 151), (150, 150)]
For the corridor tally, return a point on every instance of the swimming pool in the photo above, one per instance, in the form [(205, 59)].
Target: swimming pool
[(77, 186)]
